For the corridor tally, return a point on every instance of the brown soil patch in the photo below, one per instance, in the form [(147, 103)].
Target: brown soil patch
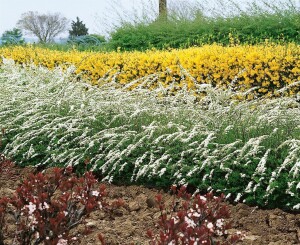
[(129, 224)]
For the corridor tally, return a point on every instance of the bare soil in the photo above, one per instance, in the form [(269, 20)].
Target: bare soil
[(128, 225)]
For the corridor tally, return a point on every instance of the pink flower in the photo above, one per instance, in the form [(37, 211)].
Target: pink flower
[(31, 207), (95, 193), (62, 242)]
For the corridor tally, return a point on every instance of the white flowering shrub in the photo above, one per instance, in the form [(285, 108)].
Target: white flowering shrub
[(250, 150)]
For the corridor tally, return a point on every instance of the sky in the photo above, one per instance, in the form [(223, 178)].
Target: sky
[(99, 16), (93, 13)]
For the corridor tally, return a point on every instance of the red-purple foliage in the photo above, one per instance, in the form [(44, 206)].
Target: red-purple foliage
[(46, 206), (192, 220)]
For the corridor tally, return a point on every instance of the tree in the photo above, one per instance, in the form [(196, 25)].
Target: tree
[(162, 9), (78, 29), (13, 36), (44, 26)]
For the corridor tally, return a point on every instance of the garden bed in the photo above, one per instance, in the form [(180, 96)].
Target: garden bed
[(129, 224)]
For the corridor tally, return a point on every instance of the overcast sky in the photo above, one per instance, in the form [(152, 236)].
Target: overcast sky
[(98, 15)]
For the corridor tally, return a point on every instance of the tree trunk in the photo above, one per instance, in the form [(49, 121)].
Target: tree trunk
[(162, 9)]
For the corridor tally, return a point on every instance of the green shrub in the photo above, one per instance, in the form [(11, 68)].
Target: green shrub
[(274, 23)]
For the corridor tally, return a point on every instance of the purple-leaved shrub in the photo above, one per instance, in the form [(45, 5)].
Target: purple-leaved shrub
[(45, 207), (193, 220)]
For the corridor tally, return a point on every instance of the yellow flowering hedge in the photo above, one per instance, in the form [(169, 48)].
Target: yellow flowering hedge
[(267, 67)]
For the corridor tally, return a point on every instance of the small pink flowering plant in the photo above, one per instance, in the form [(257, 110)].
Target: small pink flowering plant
[(46, 206), (192, 220)]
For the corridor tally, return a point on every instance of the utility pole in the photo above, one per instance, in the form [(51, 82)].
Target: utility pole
[(162, 9)]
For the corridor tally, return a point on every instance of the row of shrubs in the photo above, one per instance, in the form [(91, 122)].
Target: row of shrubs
[(264, 68), (249, 150), (245, 29), (200, 22)]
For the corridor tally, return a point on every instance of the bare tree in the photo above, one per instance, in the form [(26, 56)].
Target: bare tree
[(44, 26), (163, 9)]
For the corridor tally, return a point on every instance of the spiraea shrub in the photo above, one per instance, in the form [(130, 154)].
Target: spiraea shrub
[(229, 141)]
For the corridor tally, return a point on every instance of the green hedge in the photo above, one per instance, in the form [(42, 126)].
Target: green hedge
[(280, 27)]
